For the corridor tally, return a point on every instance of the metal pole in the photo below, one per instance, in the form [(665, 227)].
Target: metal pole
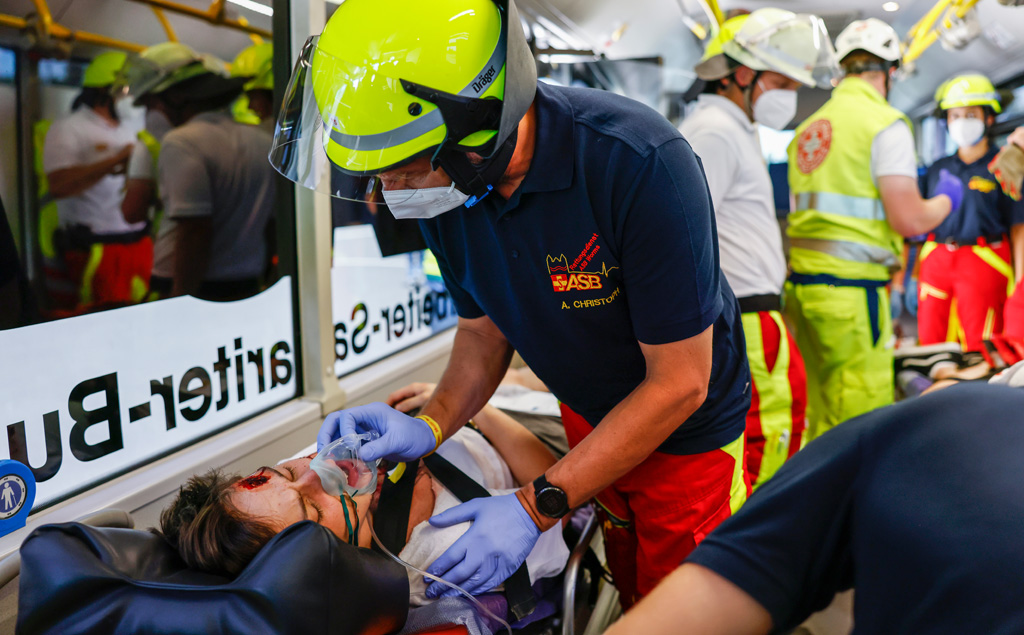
[(27, 89)]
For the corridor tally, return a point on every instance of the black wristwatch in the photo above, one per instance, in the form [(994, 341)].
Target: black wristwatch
[(551, 500)]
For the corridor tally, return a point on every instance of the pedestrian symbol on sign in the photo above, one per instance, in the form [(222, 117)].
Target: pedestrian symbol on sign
[(8, 497)]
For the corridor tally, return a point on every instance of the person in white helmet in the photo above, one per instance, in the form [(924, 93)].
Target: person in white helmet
[(215, 182), (853, 177), (752, 75)]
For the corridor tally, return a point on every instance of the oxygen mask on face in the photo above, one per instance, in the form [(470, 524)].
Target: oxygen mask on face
[(340, 469)]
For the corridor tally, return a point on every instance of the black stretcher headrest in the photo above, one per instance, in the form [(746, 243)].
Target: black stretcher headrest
[(81, 579)]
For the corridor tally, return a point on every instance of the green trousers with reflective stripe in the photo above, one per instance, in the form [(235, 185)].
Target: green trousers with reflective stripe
[(848, 373)]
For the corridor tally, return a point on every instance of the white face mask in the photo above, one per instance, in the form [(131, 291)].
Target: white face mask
[(424, 203), (775, 108), (157, 124), (126, 112), (966, 132)]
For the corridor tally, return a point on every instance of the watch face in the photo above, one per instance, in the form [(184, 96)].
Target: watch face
[(552, 502)]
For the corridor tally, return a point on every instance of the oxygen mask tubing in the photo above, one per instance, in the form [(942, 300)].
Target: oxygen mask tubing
[(342, 473)]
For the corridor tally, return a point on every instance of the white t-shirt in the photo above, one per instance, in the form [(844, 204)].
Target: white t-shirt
[(471, 453), (81, 138), (749, 237), (892, 152), (214, 166)]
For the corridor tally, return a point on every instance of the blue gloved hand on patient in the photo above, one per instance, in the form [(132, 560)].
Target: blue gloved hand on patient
[(500, 538), (402, 438)]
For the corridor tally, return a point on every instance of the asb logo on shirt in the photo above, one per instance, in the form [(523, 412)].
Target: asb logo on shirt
[(566, 276), (813, 145), (981, 184)]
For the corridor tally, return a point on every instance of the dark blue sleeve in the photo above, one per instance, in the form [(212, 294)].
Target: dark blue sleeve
[(464, 303), (1013, 211), (669, 248), (927, 182), (788, 547)]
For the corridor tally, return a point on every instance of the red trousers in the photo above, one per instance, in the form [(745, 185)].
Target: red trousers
[(1013, 315), (656, 514), (976, 278), (111, 275), (778, 407)]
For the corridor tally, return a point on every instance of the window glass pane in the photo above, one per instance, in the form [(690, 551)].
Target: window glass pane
[(380, 304), (386, 291), (144, 304)]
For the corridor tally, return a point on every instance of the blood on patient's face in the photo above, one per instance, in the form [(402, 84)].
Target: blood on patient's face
[(256, 480)]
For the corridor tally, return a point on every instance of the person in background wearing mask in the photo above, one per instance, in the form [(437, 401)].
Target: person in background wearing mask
[(752, 78), (853, 177), (255, 64), (141, 194), (215, 182), (967, 258), (84, 157), (571, 225)]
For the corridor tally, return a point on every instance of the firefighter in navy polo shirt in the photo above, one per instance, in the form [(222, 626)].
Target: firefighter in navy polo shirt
[(573, 226)]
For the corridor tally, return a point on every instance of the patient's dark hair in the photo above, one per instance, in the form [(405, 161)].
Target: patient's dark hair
[(207, 531)]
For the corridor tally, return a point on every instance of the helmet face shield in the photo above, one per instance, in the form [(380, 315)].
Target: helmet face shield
[(138, 77), (317, 142), (798, 48)]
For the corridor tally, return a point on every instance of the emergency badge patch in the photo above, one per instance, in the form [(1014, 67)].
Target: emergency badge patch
[(813, 145), (566, 276)]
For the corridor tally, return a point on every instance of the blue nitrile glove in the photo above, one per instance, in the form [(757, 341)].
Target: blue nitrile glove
[(498, 541), (402, 438), (952, 187)]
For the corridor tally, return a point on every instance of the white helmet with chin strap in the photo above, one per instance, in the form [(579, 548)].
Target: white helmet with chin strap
[(873, 36)]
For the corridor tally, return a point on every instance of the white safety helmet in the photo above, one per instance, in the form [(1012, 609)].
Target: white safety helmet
[(871, 35), (795, 45)]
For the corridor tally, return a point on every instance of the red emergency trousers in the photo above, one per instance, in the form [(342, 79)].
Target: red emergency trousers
[(778, 406), (111, 275), (659, 511), (977, 277), (1013, 316)]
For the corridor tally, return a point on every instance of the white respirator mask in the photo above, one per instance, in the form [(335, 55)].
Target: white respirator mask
[(775, 108), (423, 203), (966, 132)]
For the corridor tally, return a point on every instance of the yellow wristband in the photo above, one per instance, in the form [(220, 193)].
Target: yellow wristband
[(436, 429)]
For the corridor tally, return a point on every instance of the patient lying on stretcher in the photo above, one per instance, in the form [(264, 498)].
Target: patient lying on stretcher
[(219, 523)]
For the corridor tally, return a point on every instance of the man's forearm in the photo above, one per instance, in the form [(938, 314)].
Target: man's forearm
[(695, 600), (479, 359), (75, 180), (624, 438)]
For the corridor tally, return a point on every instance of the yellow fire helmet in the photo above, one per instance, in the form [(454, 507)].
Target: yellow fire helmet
[(714, 64), (103, 69), (389, 81), (255, 63), (161, 66), (968, 90)]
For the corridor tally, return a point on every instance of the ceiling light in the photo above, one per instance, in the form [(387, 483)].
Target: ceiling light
[(253, 6), (890, 6)]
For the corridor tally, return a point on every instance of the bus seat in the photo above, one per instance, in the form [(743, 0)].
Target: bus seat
[(80, 579)]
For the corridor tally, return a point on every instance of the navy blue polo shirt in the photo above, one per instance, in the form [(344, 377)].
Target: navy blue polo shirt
[(986, 211), (917, 506), (609, 240)]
